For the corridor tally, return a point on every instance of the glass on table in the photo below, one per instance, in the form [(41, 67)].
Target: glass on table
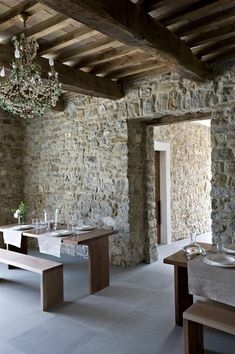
[(80, 224), (70, 227), (50, 225), (193, 249), (35, 222), (219, 244), (193, 238)]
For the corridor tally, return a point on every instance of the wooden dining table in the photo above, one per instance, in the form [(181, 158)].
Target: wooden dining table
[(183, 299), (97, 241)]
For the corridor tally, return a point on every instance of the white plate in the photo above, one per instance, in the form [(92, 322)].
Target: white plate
[(229, 248), (62, 233), (219, 260), (23, 227), (85, 228)]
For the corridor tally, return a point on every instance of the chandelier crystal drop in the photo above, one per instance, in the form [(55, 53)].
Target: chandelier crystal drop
[(25, 92)]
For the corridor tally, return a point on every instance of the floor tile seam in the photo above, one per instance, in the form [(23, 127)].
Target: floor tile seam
[(102, 328)]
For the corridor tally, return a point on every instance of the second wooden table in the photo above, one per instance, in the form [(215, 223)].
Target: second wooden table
[(97, 241), (182, 297)]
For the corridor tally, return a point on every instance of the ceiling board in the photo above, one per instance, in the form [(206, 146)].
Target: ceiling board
[(203, 30)]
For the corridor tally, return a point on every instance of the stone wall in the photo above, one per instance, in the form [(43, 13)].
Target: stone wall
[(83, 161), (223, 170), (172, 94), (190, 173), (77, 162), (11, 167), (141, 171)]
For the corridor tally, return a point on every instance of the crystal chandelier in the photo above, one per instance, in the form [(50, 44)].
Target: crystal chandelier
[(25, 93)]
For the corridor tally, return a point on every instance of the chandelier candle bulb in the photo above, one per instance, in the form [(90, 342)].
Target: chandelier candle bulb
[(51, 62), (2, 72), (17, 54)]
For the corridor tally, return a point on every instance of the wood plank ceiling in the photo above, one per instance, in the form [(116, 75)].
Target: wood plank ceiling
[(99, 45)]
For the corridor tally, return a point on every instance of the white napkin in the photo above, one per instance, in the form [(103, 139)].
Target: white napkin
[(49, 244), (12, 237)]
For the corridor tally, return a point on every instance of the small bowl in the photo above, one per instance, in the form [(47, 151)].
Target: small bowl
[(193, 250)]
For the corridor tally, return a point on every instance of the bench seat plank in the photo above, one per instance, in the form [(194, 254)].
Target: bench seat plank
[(33, 264), (212, 315), (201, 313), (51, 275)]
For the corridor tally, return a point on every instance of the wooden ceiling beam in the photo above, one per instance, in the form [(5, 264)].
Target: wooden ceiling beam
[(48, 26), (13, 12), (86, 49), (171, 119), (73, 80), (128, 23), (66, 40), (105, 56), (217, 46), (151, 5), (222, 55), (156, 71), (142, 3), (148, 65), (205, 37), (78, 81), (204, 22), (190, 12), (127, 61)]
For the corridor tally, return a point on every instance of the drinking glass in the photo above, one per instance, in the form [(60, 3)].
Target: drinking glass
[(219, 244), (35, 222), (46, 217), (193, 238), (70, 227), (50, 225)]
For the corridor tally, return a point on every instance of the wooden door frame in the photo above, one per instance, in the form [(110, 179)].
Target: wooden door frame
[(165, 190)]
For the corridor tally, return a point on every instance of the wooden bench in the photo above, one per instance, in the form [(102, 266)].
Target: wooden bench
[(207, 314), (51, 284)]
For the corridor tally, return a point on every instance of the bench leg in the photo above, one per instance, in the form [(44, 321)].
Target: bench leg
[(23, 249), (183, 299), (52, 288), (193, 337), (98, 264)]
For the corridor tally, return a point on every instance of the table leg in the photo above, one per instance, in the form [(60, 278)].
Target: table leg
[(98, 264), (23, 249), (182, 298)]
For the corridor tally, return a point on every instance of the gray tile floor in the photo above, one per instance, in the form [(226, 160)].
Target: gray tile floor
[(135, 315)]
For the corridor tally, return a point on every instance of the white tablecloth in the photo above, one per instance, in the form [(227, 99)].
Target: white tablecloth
[(212, 282), (49, 244), (12, 237)]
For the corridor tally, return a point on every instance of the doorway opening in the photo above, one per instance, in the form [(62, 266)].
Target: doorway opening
[(162, 188), (182, 180)]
